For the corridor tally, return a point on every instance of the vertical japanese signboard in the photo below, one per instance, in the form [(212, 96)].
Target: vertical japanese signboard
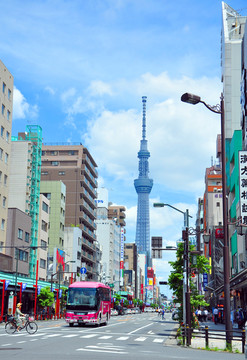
[(243, 185)]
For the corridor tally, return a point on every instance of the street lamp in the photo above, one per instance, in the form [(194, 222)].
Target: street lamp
[(186, 294), (219, 109)]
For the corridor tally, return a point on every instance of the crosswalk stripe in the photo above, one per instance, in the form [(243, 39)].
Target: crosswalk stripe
[(89, 336), (69, 336), (105, 337), (123, 338), (140, 339), (158, 340), (52, 335)]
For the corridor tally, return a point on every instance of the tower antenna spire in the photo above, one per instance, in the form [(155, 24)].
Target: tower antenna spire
[(144, 100)]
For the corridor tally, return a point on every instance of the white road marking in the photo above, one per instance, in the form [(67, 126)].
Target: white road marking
[(34, 340), (21, 342), (106, 349), (52, 335), (141, 339), (105, 337), (158, 340), (88, 336), (132, 332), (69, 336), (123, 338), (6, 344)]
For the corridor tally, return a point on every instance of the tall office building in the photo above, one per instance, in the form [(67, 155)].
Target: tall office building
[(6, 103), (143, 186), (76, 168)]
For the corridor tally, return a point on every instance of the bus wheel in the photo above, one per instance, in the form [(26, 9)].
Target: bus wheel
[(106, 320), (71, 324), (99, 320)]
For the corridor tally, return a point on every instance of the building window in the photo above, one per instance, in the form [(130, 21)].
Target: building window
[(44, 226), (5, 179), (43, 244), (0, 176), (7, 136), (4, 201), (3, 224), (54, 163), (1, 154), (9, 94), (23, 255), (27, 236), (3, 109), (4, 87), (6, 158), (53, 153), (45, 207), (61, 173), (44, 172), (218, 204), (2, 131), (20, 234), (43, 264), (8, 114)]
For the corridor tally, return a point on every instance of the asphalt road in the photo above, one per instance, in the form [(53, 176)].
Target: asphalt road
[(132, 337)]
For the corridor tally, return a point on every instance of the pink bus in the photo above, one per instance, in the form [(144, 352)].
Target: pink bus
[(88, 303)]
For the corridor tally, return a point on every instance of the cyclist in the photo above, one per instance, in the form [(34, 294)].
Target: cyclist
[(19, 316)]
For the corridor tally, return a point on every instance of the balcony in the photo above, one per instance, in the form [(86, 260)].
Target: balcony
[(88, 244), (84, 219), (85, 207)]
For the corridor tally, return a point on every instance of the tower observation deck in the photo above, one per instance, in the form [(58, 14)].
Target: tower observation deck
[(143, 186)]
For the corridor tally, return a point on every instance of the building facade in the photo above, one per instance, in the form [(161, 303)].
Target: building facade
[(76, 168), (6, 99)]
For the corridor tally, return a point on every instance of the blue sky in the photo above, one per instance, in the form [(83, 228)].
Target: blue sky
[(80, 69)]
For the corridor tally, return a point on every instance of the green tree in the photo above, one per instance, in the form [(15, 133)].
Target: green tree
[(175, 280), (46, 297)]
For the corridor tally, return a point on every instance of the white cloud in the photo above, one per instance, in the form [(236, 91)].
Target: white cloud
[(181, 137), (21, 108), (50, 90), (99, 88)]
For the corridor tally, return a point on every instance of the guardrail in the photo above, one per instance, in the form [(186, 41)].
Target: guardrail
[(215, 334)]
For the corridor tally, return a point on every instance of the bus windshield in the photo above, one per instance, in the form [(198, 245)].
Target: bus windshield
[(87, 297)]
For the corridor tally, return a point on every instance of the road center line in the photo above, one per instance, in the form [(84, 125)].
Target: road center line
[(132, 332)]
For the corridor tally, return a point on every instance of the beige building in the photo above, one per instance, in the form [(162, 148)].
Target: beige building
[(6, 104), (20, 174), (76, 168), (117, 212)]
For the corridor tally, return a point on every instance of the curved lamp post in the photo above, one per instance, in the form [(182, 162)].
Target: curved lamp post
[(219, 109)]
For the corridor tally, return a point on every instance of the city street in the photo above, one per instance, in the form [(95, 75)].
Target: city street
[(137, 336)]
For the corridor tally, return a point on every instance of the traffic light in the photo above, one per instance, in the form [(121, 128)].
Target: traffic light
[(163, 282)]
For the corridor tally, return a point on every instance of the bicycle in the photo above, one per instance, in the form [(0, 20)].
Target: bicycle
[(30, 326)]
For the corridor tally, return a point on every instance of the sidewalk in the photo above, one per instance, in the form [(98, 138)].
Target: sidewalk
[(199, 342)]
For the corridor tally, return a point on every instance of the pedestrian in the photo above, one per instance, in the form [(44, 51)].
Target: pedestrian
[(163, 314), (199, 315), (19, 316), (216, 315), (205, 315)]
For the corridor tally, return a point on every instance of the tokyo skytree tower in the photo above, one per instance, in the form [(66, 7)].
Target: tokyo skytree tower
[(143, 186)]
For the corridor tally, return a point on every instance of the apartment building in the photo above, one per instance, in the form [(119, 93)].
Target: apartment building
[(76, 168), (6, 103), (55, 192), (24, 184)]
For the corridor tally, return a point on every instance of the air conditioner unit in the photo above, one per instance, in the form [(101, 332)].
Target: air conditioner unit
[(215, 189)]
